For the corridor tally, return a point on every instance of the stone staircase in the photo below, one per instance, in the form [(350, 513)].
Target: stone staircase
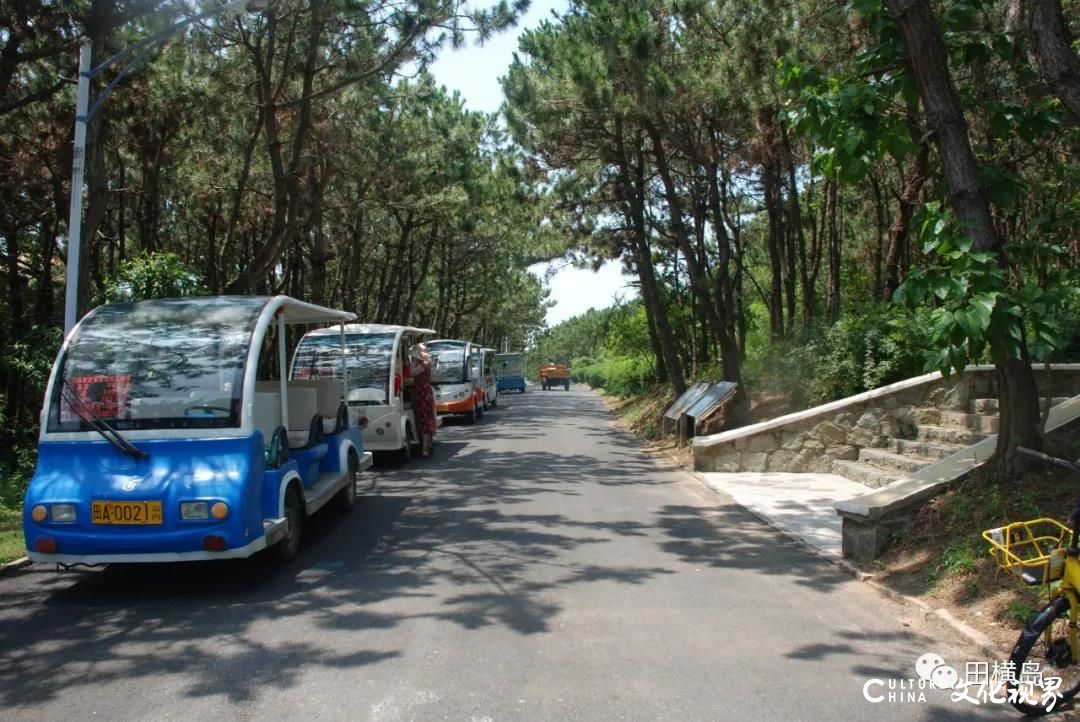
[(932, 435)]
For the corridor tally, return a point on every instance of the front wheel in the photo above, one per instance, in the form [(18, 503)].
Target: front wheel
[(405, 452), (1043, 652), (289, 547)]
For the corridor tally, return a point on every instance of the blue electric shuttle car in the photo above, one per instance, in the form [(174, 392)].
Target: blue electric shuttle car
[(168, 434), (508, 370)]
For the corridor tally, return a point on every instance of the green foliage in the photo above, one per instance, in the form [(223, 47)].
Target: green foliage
[(606, 348), (12, 545), (976, 308), (15, 475), (864, 350), (154, 275), (27, 362), (622, 375), (30, 359), (959, 559), (1020, 611)]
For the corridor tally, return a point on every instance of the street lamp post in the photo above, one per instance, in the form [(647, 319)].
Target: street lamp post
[(78, 164), (84, 111)]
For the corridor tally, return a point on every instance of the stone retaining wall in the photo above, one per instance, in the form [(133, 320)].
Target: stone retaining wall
[(809, 441)]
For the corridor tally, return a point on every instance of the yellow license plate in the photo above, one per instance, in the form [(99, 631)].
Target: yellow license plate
[(125, 512)]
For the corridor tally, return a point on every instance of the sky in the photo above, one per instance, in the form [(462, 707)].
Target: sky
[(474, 71)]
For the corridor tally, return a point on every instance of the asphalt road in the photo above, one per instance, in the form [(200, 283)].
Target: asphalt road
[(537, 567)]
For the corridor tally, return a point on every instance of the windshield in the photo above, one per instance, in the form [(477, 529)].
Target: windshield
[(165, 364), (508, 366), (367, 357), (448, 363)]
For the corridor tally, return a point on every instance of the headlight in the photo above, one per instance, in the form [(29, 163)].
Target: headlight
[(62, 512), (194, 510)]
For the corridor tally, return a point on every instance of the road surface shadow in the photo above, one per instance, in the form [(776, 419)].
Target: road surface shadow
[(481, 535)]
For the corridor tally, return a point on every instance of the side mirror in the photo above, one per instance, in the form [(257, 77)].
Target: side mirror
[(474, 373)]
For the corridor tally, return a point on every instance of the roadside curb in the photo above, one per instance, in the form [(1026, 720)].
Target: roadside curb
[(12, 566)]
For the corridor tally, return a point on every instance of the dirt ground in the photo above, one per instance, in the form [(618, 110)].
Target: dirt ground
[(941, 557)]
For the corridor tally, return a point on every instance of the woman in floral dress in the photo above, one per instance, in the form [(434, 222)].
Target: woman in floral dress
[(423, 397)]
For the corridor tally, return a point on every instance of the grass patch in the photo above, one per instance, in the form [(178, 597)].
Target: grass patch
[(643, 413), (11, 536)]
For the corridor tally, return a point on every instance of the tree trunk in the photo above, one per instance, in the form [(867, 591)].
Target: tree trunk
[(797, 254), (635, 189), (150, 199), (236, 206), (928, 60), (833, 256), (909, 196), (288, 191), (770, 181), (1060, 66), (880, 221)]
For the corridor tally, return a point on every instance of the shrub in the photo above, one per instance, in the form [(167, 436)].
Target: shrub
[(623, 375), (862, 351)]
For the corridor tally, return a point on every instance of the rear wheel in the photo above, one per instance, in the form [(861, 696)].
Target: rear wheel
[(1044, 646), (346, 498), (566, 384), (289, 547)]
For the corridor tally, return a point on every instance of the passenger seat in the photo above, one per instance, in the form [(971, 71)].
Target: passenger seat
[(328, 399)]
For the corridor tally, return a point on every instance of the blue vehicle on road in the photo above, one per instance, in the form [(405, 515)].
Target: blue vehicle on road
[(509, 372), (169, 434)]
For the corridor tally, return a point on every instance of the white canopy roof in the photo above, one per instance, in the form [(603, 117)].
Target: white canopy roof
[(302, 312), (367, 328)]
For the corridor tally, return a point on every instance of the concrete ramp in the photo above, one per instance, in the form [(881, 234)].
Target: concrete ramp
[(798, 505)]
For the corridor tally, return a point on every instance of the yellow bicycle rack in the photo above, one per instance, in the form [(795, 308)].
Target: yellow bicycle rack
[(1033, 551)]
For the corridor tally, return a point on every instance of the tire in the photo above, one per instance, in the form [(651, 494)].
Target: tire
[(346, 498), (566, 385), (1054, 660), (472, 416), (289, 547), (404, 454)]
